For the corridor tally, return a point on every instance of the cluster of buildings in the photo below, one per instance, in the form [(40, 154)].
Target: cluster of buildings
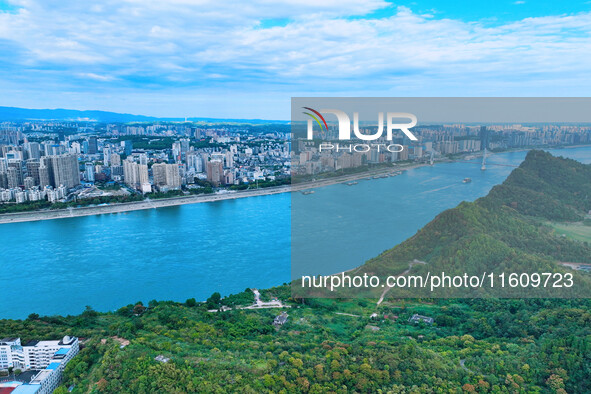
[(30, 172), (56, 161), (37, 365), (308, 157), (225, 160), (41, 161)]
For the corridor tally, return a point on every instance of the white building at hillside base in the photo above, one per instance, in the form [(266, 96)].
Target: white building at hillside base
[(46, 359)]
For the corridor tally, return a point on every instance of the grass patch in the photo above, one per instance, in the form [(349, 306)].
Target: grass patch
[(578, 231)]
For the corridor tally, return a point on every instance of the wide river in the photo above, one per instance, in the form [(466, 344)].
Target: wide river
[(107, 261)]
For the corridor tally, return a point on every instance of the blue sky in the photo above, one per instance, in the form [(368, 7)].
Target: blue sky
[(238, 59)]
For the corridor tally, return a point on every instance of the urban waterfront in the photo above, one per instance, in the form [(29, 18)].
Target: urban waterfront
[(107, 261)]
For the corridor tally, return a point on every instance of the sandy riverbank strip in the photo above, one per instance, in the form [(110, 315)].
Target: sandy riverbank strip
[(133, 206), (193, 199)]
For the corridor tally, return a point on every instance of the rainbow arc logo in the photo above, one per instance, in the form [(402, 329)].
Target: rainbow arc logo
[(316, 118)]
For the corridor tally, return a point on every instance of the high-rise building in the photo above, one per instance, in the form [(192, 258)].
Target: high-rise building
[(127, 147), (116, 172), (159, 174), (194, 161), (44, 174), (184, 145), (215, 171), (106, 156), (34, 150), (54, 150), (403, 154), (130, 174), (115, 159), (92, 145), (173, 178), (75, 148), (135, 175), (166, 176), (66, 171), (33, 169), (484, 138), (143, 159), (229, 159), (145, 186), (89, 171), (14, 178), (176, 151), (15, 173), (196, 133), (61, 170)]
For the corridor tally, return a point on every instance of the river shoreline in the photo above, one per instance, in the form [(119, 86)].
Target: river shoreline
[(31, 216)]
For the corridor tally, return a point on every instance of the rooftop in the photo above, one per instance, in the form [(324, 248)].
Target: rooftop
[(65, 341), (41, 376), (420, 318), (53, 365), (27, 389)]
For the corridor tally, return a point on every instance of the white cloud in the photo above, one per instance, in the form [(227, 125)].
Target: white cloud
[(317, 48), (97, 77)]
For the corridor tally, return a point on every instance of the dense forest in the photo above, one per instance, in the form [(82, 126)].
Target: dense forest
[(478, 345), (484, 345)]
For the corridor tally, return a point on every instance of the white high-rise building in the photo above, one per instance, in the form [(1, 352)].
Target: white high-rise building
[(106, 156), (89, 172)]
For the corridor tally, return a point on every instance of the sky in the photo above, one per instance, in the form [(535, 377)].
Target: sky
[(246, 59)]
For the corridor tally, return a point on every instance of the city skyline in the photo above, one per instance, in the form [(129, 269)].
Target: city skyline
[(47, 162)]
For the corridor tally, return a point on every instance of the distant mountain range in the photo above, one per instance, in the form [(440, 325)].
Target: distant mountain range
[(20, 114)]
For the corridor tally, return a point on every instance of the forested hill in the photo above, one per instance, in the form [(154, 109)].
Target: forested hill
[(546, 186), (506, 231)]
